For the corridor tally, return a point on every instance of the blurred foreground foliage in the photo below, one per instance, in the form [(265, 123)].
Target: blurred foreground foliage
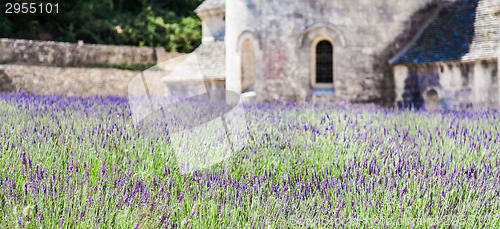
[(171, 24)]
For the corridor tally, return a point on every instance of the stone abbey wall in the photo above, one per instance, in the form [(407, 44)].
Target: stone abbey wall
[(42, 67), (365, 34)]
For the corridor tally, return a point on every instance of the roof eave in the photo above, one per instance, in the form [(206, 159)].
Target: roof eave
[(209, 12), (445, 62)]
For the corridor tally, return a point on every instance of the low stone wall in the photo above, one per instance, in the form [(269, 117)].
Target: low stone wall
[(66, 81), (44, 67), (92, 81), (69, 54)]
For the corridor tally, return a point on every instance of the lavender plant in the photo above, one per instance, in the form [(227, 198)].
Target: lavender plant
[(70, 162)]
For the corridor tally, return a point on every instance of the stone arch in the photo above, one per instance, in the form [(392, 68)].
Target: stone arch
[(321, 28), (248, 50), (247, 34), (431, 99), (322, 55), (310, 37), (247, 65)]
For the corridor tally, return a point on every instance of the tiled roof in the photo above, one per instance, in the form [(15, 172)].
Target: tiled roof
[(463, 30), (485, 43), (212, 59), (207, 62), (210, 4)]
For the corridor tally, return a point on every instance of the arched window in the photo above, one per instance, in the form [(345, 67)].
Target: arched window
[(322, 63), (431, 101), (247, 65)]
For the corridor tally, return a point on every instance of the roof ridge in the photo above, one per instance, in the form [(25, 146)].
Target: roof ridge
[(210, 4)]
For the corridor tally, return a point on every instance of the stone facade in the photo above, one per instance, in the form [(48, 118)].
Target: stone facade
[(475, 87), (364, 35), (368, 38)]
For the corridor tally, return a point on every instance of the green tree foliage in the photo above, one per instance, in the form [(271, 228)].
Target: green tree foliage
[(167, 23)]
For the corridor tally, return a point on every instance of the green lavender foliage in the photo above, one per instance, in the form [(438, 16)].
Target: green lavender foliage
[(69, 162)]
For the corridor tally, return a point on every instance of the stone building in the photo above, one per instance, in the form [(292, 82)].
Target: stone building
[(452, 63), (420, 53)]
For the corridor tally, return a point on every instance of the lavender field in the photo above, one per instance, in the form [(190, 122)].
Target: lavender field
[(69, 162)]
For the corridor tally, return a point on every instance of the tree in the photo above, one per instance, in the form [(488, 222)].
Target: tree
[(167, 23)]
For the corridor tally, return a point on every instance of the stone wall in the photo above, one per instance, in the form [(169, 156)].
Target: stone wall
[(49, 53), (66, 81), (49, 67), (97, 81), (366, 35), (458, 85)]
